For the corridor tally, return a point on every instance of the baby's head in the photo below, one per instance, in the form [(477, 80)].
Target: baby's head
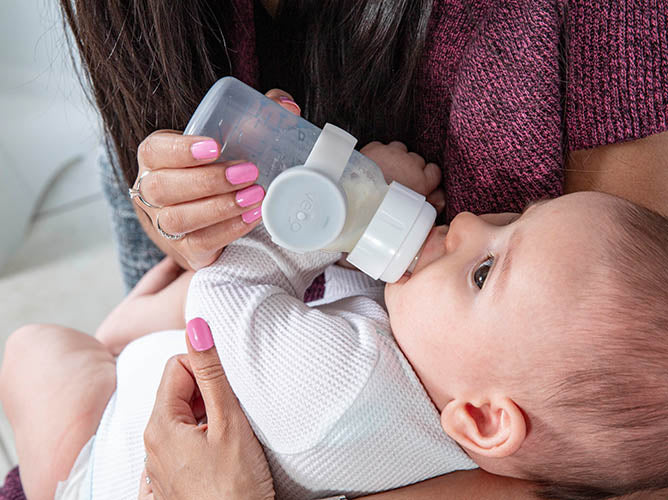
[(543, 341)]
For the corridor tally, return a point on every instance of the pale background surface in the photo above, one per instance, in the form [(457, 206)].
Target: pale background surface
[(57, 261)]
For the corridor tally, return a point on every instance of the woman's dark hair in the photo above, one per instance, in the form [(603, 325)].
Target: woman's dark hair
[(148, 63)]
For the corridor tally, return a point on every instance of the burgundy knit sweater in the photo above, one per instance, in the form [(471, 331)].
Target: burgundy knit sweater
[(494, 110)]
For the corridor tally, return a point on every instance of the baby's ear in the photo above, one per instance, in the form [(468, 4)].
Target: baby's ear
[(493, 428)]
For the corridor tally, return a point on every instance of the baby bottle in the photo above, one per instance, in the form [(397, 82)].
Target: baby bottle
[(321, 194)]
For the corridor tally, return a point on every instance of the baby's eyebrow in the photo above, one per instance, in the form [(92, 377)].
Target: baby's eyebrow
[(501, 278)]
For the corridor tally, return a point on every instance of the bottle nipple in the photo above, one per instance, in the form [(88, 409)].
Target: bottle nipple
[(411, 266)]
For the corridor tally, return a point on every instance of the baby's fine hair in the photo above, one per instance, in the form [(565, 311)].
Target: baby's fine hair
[(620, 398)]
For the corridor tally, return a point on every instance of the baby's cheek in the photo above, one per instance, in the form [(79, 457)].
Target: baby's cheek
[(390, 295), (394, 305), (400, 297)]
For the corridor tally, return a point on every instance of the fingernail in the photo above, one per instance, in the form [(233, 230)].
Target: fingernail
[(204, 150), (249, 196), (252, 215), (199, 334), (241, 173), (287, 100)]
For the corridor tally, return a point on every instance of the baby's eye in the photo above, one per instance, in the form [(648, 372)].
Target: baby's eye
[(480, 274)]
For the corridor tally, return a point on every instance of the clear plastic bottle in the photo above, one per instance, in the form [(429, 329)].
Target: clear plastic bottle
[(321, 194)]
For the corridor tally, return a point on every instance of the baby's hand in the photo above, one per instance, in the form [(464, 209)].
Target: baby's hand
[(408, 169)]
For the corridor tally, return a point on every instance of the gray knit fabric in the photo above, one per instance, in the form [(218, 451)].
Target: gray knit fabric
[(327, 391), (136, 252)]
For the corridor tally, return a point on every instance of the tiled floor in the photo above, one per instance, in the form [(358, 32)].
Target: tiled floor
[(65, 272)]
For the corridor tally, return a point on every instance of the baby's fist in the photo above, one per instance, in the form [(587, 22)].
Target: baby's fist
[(408, 169)]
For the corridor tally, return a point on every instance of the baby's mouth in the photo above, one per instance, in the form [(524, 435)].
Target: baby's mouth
[(429, 251)]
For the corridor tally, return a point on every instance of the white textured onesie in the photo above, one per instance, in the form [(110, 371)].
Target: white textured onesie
[(329, 394)]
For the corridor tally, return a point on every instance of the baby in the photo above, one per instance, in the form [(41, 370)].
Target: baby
[(538, 343)]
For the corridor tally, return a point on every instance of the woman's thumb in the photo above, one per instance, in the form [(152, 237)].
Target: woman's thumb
[(219, 401)]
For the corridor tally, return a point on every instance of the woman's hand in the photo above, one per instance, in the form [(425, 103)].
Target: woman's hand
[(190, 205), (408, 169), (157, 302), (217, 459)]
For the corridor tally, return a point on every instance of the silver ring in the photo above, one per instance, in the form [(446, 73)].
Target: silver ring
[(165, 234), (135, 191), (148, 479)]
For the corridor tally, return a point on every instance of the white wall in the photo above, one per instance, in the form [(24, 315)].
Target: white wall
[(45, 122)]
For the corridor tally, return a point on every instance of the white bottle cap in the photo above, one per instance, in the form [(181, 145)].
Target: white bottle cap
[(395, 234), (305, 208)]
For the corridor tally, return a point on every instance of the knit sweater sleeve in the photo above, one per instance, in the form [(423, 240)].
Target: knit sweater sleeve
[(295, 369), (617, 71)]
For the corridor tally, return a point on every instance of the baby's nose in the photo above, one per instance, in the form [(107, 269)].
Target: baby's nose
[(464, 227)]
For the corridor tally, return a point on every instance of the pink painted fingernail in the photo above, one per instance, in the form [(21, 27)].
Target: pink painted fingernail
[(287, 100), (204, 150), (199, 334), (241, 173), (249, 196), (252, 215)]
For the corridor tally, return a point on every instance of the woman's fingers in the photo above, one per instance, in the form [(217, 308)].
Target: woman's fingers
[(186, 460), (285, 100), (199, 214), (145, 490), (172, 403), (164, 187), (202, 247), (194, 205), (208, 221), (170, 149), (222, 407)]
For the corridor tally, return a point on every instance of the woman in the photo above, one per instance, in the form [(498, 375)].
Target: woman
[(501, 96), (505, 96)]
